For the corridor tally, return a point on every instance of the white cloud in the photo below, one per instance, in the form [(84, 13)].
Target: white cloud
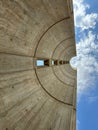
[(87, 48), (82, 19), (86, 63)]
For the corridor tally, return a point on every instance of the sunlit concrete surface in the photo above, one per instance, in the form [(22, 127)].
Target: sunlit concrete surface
[(34, 97)]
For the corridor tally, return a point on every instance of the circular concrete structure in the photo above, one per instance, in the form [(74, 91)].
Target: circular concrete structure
[(34, 97)]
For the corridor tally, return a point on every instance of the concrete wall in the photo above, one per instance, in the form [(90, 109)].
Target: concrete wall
[(31, 97)]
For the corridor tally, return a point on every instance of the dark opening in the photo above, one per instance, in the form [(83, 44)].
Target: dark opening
[(66, 62), (46, 62), (56, 62), (61, 62)]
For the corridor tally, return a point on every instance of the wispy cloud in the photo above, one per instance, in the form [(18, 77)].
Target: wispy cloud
[(87, 48), (82, 19), (86, 63)]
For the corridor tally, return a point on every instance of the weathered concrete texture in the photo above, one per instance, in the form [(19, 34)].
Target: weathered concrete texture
[(37, 98)]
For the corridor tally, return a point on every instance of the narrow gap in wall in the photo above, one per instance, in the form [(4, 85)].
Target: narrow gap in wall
[(64, 62), (40, 62), (60, 62), (46, 62), (52, 62), (56, 62), (67, 62)]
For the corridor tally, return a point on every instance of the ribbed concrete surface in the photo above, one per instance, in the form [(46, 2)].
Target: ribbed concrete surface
[(31, 97)]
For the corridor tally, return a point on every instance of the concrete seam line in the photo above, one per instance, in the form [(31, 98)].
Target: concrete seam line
[(68, 17), (49, 93), (7, 53)]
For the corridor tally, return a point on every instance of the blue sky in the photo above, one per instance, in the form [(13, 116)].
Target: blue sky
[(86, 28)]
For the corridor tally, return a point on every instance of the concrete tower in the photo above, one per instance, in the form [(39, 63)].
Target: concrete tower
[(34, 97)]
